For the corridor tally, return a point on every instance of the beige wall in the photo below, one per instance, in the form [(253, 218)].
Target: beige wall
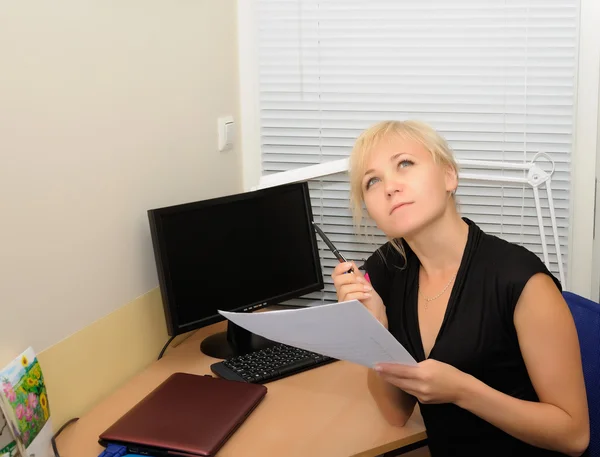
[(87, 366), (107, 109)]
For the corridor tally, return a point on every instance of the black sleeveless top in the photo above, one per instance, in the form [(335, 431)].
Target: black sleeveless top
[(477, 335)]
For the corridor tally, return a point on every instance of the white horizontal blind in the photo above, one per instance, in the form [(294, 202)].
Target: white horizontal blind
[(496, 78)]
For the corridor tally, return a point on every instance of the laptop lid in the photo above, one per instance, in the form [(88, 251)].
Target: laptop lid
[(187, 415)]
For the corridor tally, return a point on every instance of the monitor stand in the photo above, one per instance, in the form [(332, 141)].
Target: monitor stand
[(235, 341)]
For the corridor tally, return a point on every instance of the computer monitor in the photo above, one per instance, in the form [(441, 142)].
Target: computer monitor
[(236, 253)]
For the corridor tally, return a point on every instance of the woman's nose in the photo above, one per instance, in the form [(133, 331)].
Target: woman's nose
[(393, 186)]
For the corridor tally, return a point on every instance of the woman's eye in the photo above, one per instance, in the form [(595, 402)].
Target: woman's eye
[(370, 182), (405, 163)]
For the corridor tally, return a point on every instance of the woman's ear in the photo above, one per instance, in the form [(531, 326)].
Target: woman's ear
[(451, 177)]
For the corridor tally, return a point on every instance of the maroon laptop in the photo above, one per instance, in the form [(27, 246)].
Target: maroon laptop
[(187, 415)]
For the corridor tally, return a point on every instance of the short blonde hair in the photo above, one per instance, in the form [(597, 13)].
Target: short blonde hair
[(418, 131)]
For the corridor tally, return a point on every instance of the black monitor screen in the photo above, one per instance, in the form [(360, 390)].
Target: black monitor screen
[(234, 253)]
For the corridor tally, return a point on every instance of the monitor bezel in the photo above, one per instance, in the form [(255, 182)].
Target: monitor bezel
[(174, 326)]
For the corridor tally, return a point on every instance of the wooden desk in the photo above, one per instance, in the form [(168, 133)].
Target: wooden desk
[(326, 411)]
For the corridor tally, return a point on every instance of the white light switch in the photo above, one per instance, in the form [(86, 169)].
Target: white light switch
[(226, 129)]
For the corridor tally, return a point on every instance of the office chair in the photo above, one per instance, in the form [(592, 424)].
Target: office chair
[(586, 314)]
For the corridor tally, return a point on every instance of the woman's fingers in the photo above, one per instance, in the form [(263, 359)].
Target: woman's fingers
[(399, 370), (350, 286), (410, 386), (340, 278), (353, 291), (341, 274), (355, 296), (342, 268)]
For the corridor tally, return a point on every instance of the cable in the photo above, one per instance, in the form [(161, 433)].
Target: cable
[(53, 440), (165, 347)]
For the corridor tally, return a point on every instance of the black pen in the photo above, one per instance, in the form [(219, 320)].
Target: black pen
[(331, 246)]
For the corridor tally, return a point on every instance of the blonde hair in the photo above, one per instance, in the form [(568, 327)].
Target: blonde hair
[(418, 131)]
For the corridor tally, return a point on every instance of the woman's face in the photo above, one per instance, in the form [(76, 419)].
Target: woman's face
[(404, 189)]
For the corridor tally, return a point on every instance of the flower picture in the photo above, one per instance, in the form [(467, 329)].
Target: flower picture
[(25, 398)]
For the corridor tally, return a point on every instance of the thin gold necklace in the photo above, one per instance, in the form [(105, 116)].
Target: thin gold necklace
[(427, 300)]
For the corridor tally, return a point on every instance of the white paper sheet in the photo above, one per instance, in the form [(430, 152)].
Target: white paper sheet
[(344, 331)]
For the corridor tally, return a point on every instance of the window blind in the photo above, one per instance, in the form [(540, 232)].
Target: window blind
[(495, 78)]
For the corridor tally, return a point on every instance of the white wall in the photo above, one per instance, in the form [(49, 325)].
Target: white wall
[(107, 109), (596, 270), (582, 274)]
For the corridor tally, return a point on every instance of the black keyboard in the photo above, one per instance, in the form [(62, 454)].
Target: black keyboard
[(269, 364)]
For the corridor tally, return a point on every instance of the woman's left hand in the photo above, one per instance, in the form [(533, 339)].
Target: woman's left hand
[(430, 381)]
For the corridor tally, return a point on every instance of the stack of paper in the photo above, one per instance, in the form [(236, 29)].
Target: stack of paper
[(344, 331)]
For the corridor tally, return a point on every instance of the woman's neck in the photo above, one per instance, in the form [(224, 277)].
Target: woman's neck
[(440, 245)]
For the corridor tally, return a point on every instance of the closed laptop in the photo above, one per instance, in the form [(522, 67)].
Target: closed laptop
[(187, 415)]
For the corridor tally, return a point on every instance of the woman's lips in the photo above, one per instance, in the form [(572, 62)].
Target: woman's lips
[(398, 206)]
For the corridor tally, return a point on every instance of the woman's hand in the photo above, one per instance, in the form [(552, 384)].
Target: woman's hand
[(354, 286), (430, 381)]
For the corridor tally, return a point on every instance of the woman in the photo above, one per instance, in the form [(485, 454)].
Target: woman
[(499, 369)]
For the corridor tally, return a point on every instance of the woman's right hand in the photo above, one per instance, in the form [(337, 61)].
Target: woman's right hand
[(354, 286)]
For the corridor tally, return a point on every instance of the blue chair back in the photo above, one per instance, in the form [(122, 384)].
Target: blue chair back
[(586, 314)]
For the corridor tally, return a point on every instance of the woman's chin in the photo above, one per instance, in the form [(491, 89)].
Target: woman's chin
[(407, 228), (412, 224), (403, 231)]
